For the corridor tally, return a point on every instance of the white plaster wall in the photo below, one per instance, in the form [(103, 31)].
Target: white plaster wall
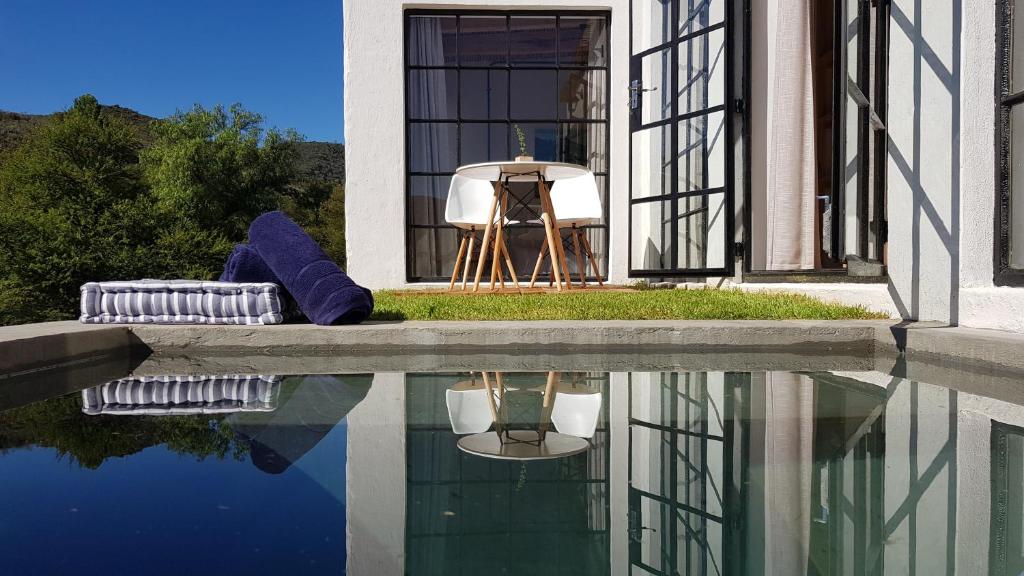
[(375, 132)]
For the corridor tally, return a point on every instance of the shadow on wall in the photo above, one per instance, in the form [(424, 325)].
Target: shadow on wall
[(911, 171)]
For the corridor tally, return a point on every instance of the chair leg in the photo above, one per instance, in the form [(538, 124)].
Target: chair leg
[(540, 260), (593, 261), (458, 262), (508, 262), (469, 258), (580, 268)]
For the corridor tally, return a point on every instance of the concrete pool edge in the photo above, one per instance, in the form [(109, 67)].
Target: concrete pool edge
[(36, 347)]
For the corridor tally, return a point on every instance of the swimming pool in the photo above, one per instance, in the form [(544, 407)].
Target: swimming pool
[(827, 467)]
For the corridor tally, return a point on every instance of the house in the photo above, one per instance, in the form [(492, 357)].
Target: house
[(855, 151)]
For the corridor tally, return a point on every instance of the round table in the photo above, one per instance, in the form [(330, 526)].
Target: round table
[(501, 173), (555, 445)]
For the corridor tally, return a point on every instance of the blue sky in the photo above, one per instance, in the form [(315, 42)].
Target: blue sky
[(282, 59)]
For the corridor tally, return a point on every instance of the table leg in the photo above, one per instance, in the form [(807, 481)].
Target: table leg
[(487, 237), (548, 218), (550, 389), (499, 239), (540, 260), (490, 403), (558, 263)]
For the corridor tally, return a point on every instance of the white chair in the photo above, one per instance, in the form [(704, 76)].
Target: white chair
[(575, 411), (467, 207), (576, 203), (468, 410)]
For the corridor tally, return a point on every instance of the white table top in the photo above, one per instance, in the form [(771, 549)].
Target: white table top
[(526, 171), (555, 445)]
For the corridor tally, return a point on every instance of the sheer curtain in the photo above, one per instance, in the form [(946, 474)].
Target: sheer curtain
[(790, 202), (432, 145)]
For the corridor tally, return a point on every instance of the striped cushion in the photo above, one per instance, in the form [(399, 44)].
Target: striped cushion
[(182, 395), (184, 302)]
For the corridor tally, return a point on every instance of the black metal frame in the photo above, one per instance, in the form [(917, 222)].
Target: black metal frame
[(871, 134), (508, 120), (1005, 100), (673, 120)]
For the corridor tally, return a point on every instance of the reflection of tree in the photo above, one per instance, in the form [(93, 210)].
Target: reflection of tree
[(60, 424)]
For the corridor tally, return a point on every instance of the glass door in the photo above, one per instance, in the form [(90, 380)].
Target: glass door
[(681, 160)]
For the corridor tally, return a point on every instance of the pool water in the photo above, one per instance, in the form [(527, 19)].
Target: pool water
[(467, 473)]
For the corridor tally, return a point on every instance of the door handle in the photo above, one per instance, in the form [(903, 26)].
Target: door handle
[(636, 88)]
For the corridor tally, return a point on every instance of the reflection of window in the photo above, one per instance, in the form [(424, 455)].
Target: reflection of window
[(1007, 540), (1009, 257), (471, 78)]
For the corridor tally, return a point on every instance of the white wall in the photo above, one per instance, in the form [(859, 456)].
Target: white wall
[(375, 132)]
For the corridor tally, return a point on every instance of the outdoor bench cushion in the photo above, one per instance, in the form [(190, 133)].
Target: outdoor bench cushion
[(182, 395), (185, 302)]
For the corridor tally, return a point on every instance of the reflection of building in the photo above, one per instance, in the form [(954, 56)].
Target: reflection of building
[(701, 473)]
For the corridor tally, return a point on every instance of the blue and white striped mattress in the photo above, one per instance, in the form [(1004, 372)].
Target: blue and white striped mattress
[(183, 395), (184, 302)]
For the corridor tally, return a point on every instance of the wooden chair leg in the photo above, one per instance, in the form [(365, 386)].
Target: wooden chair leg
[(508, 262), (593, 261), (458, 262), (540, 260), (580, 268), (487, 238), (469, 258)]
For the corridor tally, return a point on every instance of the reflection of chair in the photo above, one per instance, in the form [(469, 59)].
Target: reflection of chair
[(468, 409), (576, 411)]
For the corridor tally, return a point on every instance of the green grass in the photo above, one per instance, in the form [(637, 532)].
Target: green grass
[(706, 304)]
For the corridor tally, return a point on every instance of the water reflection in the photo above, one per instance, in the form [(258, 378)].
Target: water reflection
[(676, 473)]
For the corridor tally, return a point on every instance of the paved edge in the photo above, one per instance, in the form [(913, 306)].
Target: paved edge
[(36, 347)]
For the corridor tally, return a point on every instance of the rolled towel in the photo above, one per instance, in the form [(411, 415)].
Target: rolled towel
[(325, 294), (245, 265)]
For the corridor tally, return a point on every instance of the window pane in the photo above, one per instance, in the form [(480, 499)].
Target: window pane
[(652, 162), (432, 251), (433, 94), (484, 94), (534, 95), (702, 152), (1017, 49), (427, 197), (652, 23), (582, 94), (431, 40), (582, 41), (656, 76), (585, 144), (701, 231), (652, 236), (1017, 187), (483, 41), (702, 72), (532, 40), (432, 147), (484, 142), (696, 15), (541, 141)]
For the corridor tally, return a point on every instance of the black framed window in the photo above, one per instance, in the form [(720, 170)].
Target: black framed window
[(1009, 246), (472, 78)]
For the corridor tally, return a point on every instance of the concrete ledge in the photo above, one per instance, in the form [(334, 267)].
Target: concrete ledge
[(32, 347), (647, 335), (933, 342)]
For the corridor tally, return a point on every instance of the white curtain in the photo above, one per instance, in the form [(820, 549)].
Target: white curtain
[(790, 217)]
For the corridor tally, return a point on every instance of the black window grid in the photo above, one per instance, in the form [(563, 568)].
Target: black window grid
[(508, 121), (1006, 100)]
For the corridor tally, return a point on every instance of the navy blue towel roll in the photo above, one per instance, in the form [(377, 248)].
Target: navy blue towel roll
[(245, 265), (325, 294)]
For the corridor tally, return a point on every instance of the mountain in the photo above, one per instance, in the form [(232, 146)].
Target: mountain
[(324, 161)]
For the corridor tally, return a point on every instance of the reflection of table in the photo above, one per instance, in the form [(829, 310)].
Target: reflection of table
[(513, 444), (501, 173), (555, 445)]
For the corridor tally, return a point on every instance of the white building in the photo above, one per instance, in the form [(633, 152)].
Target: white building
[(759, 141)]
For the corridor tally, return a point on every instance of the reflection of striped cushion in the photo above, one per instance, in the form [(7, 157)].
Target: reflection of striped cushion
[(177, 395), (184, 302)]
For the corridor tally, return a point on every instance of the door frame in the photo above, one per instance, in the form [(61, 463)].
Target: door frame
[(730, 107)]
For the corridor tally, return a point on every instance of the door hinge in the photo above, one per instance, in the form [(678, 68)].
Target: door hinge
[(737, 250), (738, 105)]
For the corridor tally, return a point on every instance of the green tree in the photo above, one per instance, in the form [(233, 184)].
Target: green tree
[(219, 166), (74, 207), (319, 207)]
